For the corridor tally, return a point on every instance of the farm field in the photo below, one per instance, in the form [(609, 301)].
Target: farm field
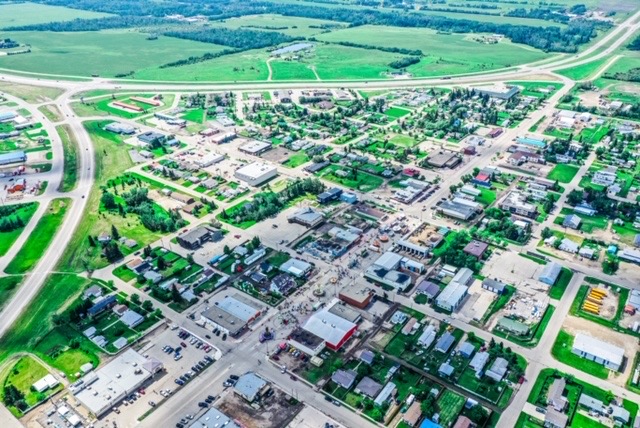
[(295, 26), (100, 53), (40, 237), (445, 53), (17, 14)]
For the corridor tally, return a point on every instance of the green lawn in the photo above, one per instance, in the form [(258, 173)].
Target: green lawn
[(562, 352), (581, 421), (564, 173), (584, 71), (196, 115), (25, 212), (396, 113), (296, 160), (40, 237), (363, 181), (32, 332), (558, 289), (24, 373), (8, 285), (124, 273), (71, 165), (291, 70)]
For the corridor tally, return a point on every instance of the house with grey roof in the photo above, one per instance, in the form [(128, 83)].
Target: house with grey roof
[(555, 419), (591, 403), (344, 378), (368, 387), (498, 369), (445, 342), (550, 273), (572, 221), (466, 349), (478, 362), (555, 396), (445, 370)]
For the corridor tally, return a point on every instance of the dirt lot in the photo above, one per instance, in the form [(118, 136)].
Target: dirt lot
[(274, 412), (576, 325), (312, 418), (511, 268), (591, 98), (277, 154)]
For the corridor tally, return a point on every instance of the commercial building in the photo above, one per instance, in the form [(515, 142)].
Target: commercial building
[(330, 195), (296, 267), (457, 209), (358, 295), (197, 236), (550, 273), (250, 386), (599, 351), (120, 128), (444, 160), (13, 157), (214, 418), (386, 271), (476, 248), (629, 255), (334, 330), (209, 159), (452, 295), (233, 313), (513, 326), (306, 341), (256, 173), (516, 202), (498, 91), (101, 390), (307, 217), (493, 285), (255, 147)]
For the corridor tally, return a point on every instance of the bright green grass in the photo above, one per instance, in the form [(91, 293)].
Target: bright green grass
[(450, 405), (334, 62), (249, 66), (446, 54), (564, 173), (296, 160), (14, 15), (8, 285), (581, 421), (364, 182), (402, 140), (105, 53), (8, 238), (291, 70), (32, 330), (270, 20), (397, 112), (194, 115), (70, 171), (562, 352), (583, 71), (40, 237), (558, 289)]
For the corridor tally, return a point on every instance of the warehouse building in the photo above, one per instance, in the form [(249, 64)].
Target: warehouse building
[(214, 418), (233, 313), (101, 390), (499, 91), (13, 157), (120, 128), (255, 147), (599, 351), (334, 330), (550, 273), (256, 173), (307, 217)]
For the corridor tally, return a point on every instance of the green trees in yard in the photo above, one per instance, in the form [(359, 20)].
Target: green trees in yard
[(610, 265), (14, 397), (575, 197)]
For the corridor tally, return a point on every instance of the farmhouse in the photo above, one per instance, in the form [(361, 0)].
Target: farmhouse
[(599, 351)]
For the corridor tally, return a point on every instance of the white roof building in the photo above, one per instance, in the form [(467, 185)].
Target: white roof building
[(601, 352), (333, 329), (256, 173)]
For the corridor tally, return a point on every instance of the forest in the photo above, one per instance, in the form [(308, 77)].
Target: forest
[(241, 39)]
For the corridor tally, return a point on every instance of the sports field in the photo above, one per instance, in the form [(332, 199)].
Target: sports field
[(105, 53)]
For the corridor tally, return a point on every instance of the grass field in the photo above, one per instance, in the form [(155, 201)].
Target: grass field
[(584, 71), (364, 182), (13, 15), (51, 112), (8, 285), (24, 373), (40, 237), (112, 158), (562, 352), (296, 26), (8, 238), (564, 173), (31, 94), (446, 54), (32, 332), (71, 165), (101, 53), (291, 70), (558, 289)]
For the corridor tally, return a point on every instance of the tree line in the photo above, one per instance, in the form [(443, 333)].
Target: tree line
[(238, 38), (98, 24), (142, 8), (404, 51), (10, 218), (404, 62)]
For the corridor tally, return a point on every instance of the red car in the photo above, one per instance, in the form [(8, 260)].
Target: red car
[(236, 236)]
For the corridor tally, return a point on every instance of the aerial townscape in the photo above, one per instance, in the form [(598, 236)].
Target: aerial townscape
[(319, 214)]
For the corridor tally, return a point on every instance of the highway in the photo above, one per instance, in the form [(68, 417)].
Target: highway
[(235, 356)]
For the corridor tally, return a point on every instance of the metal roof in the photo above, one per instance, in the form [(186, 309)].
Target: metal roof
[(330, 327), (598, 348), (249, 385)]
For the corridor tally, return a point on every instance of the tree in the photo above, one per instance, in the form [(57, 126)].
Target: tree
[(255, 242), (546, 233), (161, 263), (227, 250), (114, 232), (610, 266), (108, 200), (147, 251), (147, 305), (112, 251), (575, 197), (175, 294), (92, 242), (190, 258), (12, 395), (478, 414), (135, 298)]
